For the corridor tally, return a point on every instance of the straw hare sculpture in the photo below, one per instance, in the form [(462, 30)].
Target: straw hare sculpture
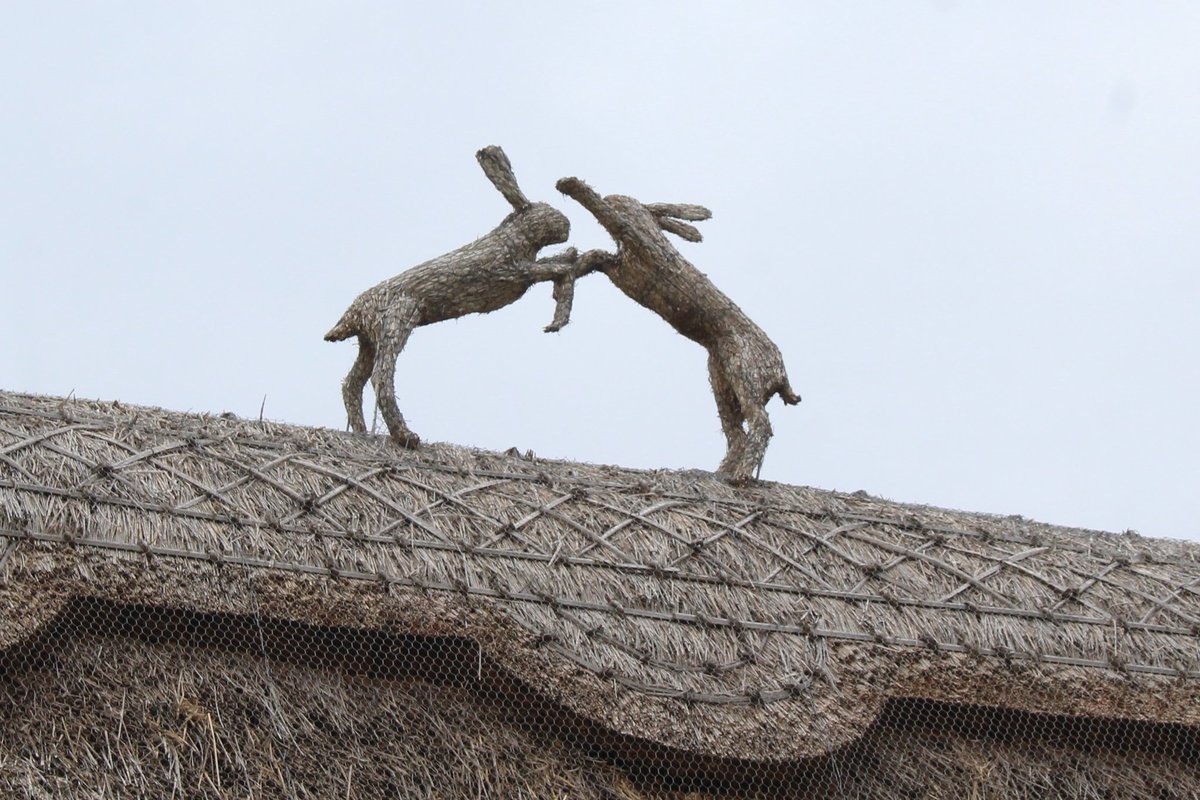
[(744, 366), (489, 273)]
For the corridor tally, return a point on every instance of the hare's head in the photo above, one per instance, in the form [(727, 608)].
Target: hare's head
[(540, 223), (544, 224), (612, 209), (666, 216)]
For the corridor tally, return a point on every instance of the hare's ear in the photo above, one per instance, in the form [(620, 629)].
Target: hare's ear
[(670, 216), (688, 211), (500, 172)]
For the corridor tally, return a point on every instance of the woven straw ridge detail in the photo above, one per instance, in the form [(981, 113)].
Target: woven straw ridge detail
[(669, 586)]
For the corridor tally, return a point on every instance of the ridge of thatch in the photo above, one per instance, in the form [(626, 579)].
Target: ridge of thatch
[(771, 622)]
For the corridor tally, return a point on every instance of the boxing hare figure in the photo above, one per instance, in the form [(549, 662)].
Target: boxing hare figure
[(487, 274), (744, 365)]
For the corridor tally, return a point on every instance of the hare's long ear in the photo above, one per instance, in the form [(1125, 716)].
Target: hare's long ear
[(688, 211), (670, 216), (500, 172)]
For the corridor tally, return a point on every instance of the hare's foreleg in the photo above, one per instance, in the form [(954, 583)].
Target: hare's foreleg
[(564, 269), (564, 297)]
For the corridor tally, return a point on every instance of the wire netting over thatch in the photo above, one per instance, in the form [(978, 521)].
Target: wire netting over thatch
[(219, 607)]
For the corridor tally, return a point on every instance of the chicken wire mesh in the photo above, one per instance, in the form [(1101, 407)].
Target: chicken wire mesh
[(197, 606)]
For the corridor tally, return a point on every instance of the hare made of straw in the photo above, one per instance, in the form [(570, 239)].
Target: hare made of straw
[(489, 273), (744, 365)]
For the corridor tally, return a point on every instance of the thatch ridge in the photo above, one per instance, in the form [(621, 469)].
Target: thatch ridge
[(771, 622)]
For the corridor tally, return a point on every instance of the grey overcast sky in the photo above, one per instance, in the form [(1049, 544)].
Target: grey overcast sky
[(971, 227)]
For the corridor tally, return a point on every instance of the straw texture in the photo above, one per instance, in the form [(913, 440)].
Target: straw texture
[(663, 616), (745, 367), (123, 709), (483, 276)]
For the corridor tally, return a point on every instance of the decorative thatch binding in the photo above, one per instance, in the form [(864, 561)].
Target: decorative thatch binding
[(608, 624)]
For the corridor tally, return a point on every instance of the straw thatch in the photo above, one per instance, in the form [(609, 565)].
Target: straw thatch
[(218, 606)]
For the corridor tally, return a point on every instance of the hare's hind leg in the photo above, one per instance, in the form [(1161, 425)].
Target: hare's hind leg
[(758, 435), (394, 336), (735, 373), (758, 428), (730, 412), (356, 379)]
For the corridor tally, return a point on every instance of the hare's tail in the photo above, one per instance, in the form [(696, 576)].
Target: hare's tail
[(784, 390), (343, 330)]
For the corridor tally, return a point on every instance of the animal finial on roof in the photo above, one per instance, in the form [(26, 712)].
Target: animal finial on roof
[(489, 273), (745, 367)]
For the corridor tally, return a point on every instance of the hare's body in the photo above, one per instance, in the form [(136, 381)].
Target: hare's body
[(745, 367), (489, 273)]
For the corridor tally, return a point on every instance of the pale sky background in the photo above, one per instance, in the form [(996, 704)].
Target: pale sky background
[(971, 228)]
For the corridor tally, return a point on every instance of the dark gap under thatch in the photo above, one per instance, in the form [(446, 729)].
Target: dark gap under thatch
[(460, 693), (1016, 727)]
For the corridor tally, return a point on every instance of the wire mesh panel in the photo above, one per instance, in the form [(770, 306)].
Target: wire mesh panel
[(197, 606)]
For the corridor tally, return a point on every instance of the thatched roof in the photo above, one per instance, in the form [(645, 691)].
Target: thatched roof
[(664, 614)]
